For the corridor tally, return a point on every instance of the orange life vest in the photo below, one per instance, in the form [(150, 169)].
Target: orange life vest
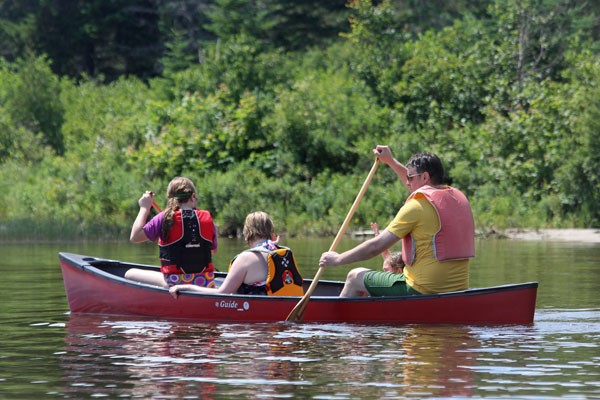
[(283, 274), (455, 240)]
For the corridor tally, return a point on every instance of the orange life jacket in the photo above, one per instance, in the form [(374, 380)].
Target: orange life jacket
[(455, 240), (283, 274)]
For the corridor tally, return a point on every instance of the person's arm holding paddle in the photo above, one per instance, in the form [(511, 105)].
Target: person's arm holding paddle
[(137, 229), (354, 285), (385, 156), (364, 251), (358, 281), (381, 242)]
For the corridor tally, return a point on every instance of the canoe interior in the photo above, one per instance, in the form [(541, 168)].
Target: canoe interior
[(118, 269)]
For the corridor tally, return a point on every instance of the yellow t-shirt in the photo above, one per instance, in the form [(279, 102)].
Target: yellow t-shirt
[(427, 275)]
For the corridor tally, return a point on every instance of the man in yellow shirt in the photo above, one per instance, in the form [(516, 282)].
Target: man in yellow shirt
[(437, 232)]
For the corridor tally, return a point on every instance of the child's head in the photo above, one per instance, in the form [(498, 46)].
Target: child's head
[(181, 189), (258, 225), (393, 263)]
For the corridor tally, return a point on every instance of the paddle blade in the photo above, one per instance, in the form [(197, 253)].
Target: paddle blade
[(298, 312)]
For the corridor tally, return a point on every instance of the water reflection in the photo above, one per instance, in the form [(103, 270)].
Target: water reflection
[(147, 358), (441, 361), (416, 361), (142, 358)]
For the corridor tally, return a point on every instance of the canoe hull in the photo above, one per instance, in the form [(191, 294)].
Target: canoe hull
[(91, 287)]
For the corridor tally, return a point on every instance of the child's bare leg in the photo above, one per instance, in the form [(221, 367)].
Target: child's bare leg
[(145, 276)]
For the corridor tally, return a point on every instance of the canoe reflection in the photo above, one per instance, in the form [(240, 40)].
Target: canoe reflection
[(112, 356), (440, 360), (416, 361), (146, 358)]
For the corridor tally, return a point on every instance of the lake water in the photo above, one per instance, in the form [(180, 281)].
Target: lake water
[(47, 353)]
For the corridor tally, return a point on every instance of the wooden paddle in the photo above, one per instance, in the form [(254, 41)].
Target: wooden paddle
[(298, 311), (155, 206)]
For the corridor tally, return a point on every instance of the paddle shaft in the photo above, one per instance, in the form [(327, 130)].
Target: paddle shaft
[(155, 206), (298, 311)]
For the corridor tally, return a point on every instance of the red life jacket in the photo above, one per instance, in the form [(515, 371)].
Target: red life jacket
[(188, 246), (455, 240)]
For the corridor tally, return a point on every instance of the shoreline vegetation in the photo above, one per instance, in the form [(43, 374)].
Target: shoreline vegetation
[(580, 235), (507, 96)]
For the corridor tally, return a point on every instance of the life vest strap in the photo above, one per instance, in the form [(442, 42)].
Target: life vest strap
[(171, 269)]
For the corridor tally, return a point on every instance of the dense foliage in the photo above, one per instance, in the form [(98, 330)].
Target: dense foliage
[(507, 92)]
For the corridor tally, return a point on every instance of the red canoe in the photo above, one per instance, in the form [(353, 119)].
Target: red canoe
[(97, 286)]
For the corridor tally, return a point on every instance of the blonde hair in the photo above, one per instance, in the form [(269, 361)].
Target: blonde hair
[(179, 191), (258, 225)]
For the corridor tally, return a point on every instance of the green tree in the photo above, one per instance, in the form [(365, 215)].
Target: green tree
[(302, 24), (99, 38), (289, 24), (527, 43), (231, 18), (182, 26), (28, 95), (577, 180), (442, 83), (17, 27), (324, 121), (378, 37)]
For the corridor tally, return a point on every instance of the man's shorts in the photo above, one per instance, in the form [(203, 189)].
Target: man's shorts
[(380, 283)]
